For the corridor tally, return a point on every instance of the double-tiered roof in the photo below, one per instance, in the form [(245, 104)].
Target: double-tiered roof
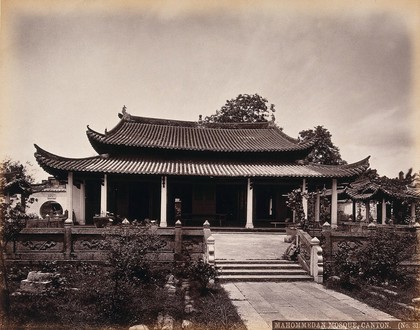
[(139, 145)]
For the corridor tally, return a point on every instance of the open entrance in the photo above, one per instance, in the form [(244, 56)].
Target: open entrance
[(270, 206), (135, 200), (222, 204)]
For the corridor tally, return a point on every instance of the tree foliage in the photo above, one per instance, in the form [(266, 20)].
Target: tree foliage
[(244, 108), (324, 150), (295, 203), (14, 178)]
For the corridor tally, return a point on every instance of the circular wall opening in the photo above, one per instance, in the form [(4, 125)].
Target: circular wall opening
[(50, 208)]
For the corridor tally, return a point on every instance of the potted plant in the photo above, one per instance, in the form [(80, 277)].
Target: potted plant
[(102, 220)]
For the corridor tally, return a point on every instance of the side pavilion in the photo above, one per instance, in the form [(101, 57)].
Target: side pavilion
[(235, 175)]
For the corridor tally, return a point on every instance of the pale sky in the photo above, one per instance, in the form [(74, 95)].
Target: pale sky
[(351, 68)]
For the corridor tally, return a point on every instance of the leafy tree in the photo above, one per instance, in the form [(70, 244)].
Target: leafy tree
[(324, 150), (244, 108), (14, 179)]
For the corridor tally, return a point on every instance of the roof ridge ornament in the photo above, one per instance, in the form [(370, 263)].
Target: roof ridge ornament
[(124, 115)]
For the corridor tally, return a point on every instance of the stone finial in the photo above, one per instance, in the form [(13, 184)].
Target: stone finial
[(315, 241), (372, 225), (326, 226), (186, 324), (138, 327), (68, 222), (416, 225), (125, 222), (178, 223), (210, 239), (206, 224)]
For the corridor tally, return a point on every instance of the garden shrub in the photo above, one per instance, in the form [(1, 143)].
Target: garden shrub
[(380, 260), (202, 273), (377, 261)]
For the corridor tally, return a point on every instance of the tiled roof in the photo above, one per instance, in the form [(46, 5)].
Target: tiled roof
[(140, 132), (222, 168), (364, 190)]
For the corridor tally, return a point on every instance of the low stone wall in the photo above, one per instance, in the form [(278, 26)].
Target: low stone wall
[(83, 243)]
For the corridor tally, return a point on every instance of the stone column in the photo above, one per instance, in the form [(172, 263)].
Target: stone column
[(334, 205), (163, 201), (69, 193), (383, 211), (104, 195), (82, 201), (317, 207), (249, 205), (304, 200)]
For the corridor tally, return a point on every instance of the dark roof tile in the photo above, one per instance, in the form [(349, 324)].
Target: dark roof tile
[(139, 132), (222, 168)]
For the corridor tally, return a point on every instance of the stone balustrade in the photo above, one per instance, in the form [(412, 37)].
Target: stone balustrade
[(86, 243), (310, 255)]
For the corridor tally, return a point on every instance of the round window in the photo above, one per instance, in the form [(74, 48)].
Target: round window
[(50, 208)]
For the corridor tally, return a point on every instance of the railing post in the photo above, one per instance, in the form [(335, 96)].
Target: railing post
[(417, 238), (211, 250), (317, 262), (67, 240), (209, 240), (178, 238), (326, 234), (206, 230), (372, 228)]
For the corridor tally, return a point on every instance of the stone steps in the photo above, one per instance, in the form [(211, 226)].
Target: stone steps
[(261, 271), (265, 278)]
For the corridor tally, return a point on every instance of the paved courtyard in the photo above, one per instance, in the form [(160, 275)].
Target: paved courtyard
[(259, 303), (243, 246)]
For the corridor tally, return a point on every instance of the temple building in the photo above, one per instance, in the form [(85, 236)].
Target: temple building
[(231, 174)]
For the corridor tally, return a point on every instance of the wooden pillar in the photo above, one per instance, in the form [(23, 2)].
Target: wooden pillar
[(163, 201), (413, 212), (7, 198), (367, 207), (353, 211), (304, 200), (249, 205), (104, 195), (334, 205), (69, 193), (82, 202), (383, 211), (317, 206)]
